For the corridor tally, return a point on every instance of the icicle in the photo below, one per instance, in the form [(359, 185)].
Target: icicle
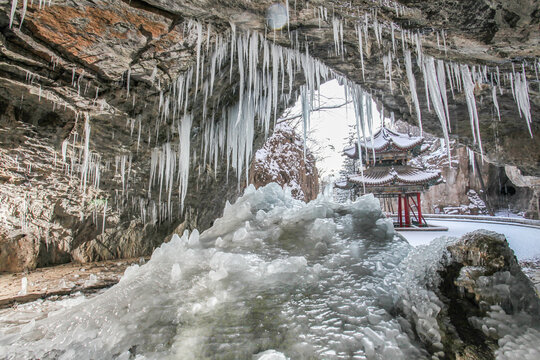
[(86, 153), (104, 217), (359, 147), (376, 30), (495, 103), (412, 87), (128, 79), (512, 87), (306, 110), (336, 26), (198, 50), (12, 13), (450, 80), (471, 160), (390, 71), (430, 74), (360, 49), (233, 43), (423, 67), (522, 98), (208, 31), (468, 86), (393, 38), (418, 49), (184, 133), (441, 79), (25, 5)]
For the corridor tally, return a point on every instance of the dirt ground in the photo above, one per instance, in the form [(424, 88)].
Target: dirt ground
[(62, 280)]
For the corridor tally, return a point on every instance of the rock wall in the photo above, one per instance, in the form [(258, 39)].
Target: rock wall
[(47, 219)]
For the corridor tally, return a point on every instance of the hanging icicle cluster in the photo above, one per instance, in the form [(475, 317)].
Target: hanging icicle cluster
[(265, 73), (262, 75)]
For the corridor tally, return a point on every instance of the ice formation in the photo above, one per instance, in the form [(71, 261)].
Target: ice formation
[(360, 48), (273, 278), (266, 72), (522, 98), (437, 97), (412, 87), (468, 86)]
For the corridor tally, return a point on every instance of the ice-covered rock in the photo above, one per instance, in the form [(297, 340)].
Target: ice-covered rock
[(489, 302)]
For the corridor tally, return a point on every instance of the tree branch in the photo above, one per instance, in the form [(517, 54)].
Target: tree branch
[(320, 108)]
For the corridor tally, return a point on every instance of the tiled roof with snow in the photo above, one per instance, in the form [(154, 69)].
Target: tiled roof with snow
[(385, 140), (382, 175)]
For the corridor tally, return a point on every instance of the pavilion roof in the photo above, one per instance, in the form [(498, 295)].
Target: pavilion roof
[(385, 140), (383, 175)]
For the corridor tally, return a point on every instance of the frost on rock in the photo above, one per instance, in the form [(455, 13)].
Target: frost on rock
[(281, 160), (508, 313)]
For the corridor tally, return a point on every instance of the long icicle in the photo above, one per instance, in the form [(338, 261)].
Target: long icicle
[(412, 86), (12, 13), (468, 86)]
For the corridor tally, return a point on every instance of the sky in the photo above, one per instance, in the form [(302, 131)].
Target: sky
[(330, 127)]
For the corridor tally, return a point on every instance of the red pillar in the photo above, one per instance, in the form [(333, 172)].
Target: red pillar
[(419, 209), (400, 217), (407, 215)]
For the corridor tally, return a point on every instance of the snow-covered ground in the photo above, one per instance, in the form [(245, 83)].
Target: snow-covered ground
[(523, 239)]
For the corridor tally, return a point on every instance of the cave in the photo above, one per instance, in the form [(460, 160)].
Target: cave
[(151, 165)]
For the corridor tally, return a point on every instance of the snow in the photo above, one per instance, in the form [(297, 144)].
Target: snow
[(524, 240)]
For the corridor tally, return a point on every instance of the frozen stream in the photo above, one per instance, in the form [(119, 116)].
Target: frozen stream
[(274, 278), (523, 239)]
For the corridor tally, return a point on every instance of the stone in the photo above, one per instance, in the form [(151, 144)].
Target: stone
[(483, 272), (18, 252), (281, 160)]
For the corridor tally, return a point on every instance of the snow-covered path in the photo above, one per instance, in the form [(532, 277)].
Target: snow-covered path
[(523, 239)]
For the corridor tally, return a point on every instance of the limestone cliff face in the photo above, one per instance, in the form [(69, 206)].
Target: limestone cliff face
[(281, 160), (470, 185), (462, 191), (110, 64)]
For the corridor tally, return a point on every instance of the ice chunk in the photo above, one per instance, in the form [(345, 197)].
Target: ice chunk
[(24, 286), (176, 273), (270, 355)]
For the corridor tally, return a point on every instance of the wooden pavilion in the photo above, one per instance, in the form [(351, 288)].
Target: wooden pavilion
[(387, 175)]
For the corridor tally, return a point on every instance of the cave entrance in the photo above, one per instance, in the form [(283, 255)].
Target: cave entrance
[(332, 127)]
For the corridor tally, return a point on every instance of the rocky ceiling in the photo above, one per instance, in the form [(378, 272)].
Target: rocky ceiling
[(113, 60), (79, 53)]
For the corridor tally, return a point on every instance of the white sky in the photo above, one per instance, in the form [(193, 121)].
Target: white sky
[(329, 128)]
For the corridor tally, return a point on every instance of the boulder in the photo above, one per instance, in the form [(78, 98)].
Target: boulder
[(18, 252), (482, 283)]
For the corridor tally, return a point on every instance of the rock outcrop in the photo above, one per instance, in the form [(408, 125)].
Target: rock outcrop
[(281, 160), (481, 286)]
